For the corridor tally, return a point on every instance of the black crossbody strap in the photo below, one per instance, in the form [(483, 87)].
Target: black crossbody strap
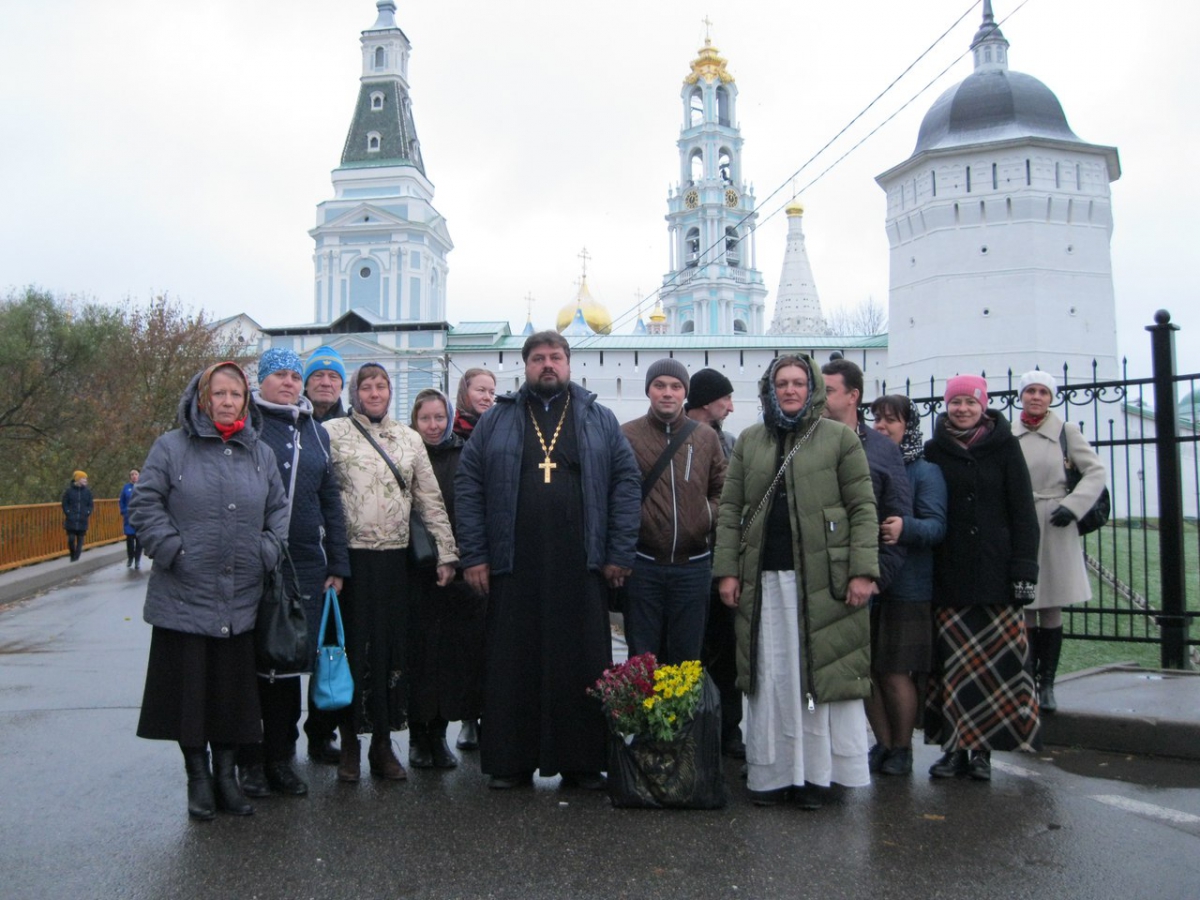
[(660, 464), (387, 459)]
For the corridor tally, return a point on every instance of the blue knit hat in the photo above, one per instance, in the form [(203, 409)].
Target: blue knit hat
[(275, 359), (325, 358)]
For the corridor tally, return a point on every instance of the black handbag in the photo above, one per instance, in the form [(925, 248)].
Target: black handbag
[(422, 549), (1096, 517), (281, 630)]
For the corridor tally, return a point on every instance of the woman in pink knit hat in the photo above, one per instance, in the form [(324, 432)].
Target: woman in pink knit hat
[(980, 695)]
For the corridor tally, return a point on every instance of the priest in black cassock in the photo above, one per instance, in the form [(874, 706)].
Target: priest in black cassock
[(548, 496)]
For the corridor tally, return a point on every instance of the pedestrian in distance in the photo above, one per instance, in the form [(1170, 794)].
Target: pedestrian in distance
[(77, 506), (384, 474), (980, 696), (133, 546), (798, 558), (1062, 574), (683, 471), (548, 504), (446, 638), (211, 510), (901, 617), (316, 533)]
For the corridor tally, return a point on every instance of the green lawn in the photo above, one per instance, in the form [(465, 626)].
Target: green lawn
[(1124, 551)]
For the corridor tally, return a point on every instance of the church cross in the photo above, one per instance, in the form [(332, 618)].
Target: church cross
[(546, 467), (707, 25), (585, 256)]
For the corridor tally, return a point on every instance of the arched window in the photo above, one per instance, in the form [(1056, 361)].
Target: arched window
[(723, 165), (377, 100), (739, 326), (722, 106), (380, 58), (373, 142), (688, 327), (697, 164), (692, 246), (733, 247), (695, 108)]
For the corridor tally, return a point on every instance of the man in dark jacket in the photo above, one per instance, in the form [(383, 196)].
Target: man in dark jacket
[(893, 493), (548, 503), (710, 402), (683, 471), (324, 377), (317, 546), (77, 510)]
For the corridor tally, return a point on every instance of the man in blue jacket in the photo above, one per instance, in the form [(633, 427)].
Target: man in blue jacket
[(548, 501)]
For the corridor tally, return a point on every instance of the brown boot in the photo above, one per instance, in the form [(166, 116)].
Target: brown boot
[(349, 758), (383, 759)]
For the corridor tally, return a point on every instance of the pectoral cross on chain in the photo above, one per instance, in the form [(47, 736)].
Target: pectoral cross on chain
[(546, 467)]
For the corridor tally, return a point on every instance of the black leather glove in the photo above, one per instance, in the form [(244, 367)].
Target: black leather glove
[(1023, 592), (1061, 517)]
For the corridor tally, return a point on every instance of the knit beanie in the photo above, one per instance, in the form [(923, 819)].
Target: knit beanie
[(672, 368), (1045, 379), (707, 385), (278, 359), (325, 358), (78, 474), (969, 385)]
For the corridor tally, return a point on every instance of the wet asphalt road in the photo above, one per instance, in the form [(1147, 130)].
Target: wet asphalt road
[(89, 810)]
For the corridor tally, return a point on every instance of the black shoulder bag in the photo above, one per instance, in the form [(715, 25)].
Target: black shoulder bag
[(422, 549), (1096, 517)]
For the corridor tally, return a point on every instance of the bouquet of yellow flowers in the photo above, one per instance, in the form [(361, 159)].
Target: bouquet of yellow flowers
[(640, 697)]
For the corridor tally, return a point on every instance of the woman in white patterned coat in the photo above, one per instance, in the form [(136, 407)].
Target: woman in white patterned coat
[(1062, 576), (375, 604)]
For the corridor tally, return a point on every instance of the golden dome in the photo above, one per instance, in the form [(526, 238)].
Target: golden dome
[(658, 315), (795, 208), (596, 316), (708, 65)]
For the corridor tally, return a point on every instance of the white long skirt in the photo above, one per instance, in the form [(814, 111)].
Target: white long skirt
[(786, 743)]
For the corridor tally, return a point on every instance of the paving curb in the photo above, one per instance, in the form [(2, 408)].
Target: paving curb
[(1127, 709), (20, 584)]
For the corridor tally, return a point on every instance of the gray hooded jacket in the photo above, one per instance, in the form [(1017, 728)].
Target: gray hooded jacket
[(213, 516)]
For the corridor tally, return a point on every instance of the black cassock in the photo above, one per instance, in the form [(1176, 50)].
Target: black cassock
[(548, 637)]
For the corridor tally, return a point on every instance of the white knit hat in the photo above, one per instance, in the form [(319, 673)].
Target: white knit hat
[(1037, 376)]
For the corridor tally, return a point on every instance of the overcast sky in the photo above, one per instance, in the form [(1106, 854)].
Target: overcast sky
[(160, 146)]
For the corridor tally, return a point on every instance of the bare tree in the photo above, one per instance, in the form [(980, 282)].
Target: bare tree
[(867, 318)]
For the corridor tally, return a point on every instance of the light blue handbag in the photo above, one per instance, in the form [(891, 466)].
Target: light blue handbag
[(331, 686)]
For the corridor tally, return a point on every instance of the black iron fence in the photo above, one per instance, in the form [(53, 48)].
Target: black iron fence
[(1145, 563)]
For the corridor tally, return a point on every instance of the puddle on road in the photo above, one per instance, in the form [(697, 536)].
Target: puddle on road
[(1146, 771)]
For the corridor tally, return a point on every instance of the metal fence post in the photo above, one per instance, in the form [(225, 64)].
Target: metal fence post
[(1173, 622)]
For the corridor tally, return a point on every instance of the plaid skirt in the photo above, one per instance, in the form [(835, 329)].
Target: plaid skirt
[(980, 694)]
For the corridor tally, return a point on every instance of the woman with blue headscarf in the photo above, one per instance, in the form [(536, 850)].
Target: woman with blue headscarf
[(446, 638), (797, 557)]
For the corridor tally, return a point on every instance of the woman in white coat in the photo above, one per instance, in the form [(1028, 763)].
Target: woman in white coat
[(1062, 578)]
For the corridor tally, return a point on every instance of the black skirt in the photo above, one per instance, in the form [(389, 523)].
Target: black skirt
[(445, 650), (200, 690)]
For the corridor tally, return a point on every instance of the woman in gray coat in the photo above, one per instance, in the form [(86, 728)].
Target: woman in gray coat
[(211, 512), (1062, 577)]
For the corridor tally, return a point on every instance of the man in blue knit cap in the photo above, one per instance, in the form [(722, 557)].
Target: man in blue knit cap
[(324, 376)]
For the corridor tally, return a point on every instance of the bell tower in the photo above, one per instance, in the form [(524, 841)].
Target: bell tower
[(381, 246), (713, 286)]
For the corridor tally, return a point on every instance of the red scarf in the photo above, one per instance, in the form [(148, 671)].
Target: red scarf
[(462, 425), (1033, 422), (228, 431)]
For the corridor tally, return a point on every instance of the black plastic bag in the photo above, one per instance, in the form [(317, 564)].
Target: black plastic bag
[(281, 631), (685, 773)]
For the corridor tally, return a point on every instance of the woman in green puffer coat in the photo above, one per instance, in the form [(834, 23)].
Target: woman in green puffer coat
[(797, 557)]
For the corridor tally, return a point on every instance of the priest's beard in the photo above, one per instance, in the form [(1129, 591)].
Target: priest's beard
[(547, 389)]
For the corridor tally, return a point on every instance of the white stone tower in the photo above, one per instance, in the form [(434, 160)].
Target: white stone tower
[(999, 225), (380, 245), (713, 286), (797, 306)]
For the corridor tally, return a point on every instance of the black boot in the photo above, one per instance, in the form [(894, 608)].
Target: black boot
[(438, 748), (468, 735), (420, 756), (201, 804), (1049, 650), (229, 794)]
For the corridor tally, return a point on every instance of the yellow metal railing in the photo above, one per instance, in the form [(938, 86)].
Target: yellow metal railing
[(34, 533)]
